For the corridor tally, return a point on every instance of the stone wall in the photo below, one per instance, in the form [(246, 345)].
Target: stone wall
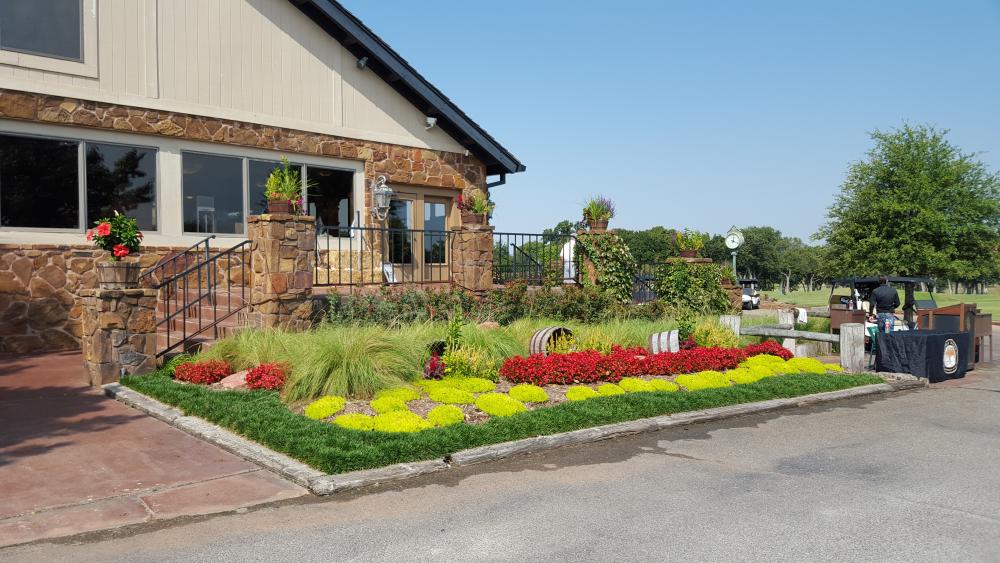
[(119, 333), (472, 257), (283, 254)]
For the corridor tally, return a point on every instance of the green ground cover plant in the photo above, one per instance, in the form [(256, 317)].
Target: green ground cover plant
[(349, 444)]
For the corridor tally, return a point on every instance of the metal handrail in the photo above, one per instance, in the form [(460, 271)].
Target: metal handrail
[(357, 256), (177, 257)]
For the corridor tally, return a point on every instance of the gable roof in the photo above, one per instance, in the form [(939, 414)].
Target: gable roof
[(387, 64)]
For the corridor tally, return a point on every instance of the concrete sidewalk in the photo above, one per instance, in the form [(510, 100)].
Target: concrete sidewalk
[(73, 460)]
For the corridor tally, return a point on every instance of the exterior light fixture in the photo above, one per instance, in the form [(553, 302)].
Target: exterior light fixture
[(381, 196)]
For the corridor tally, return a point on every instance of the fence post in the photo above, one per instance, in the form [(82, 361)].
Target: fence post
[(786, 319), (283, 254), (732, 322), (852, 347), (472, 257)]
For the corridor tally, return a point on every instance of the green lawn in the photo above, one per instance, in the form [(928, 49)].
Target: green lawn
[(988, 303), (261, 417)]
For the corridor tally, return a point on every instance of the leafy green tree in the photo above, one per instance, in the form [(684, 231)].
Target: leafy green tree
[(916, 205), (651, 246)]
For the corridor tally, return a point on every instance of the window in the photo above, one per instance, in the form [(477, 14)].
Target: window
[(259, 170), (329, 197), (400, 241), (435, 232), (213, 193), (39, 183), (121, 178), (51, 28)]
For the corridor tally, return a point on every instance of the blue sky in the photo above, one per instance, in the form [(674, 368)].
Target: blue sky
[(699, 114)]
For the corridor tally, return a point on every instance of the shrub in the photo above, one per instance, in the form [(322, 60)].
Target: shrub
[(664, 385), (267, 376), (450, 395), (446, 415), (404, 394), (387, 404), (355, 421), (580, 393), (635, 385), (462, 363), (711, 334), (325, 407), (498, 404), (527, 393), (471, 384), (400, 421), (702, 380), (769, 347), (745, 375), (204, 372), (434, 367), (613, 262), (837, 368), (697, 287), (609, 389), (806, 365)]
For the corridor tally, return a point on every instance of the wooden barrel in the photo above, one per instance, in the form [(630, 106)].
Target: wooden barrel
[(661, 342), (545, 337)]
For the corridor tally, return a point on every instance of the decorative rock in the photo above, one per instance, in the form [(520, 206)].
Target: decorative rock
[(237, 380)]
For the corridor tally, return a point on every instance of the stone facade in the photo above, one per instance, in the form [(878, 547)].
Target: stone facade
[(472, 257), (283, 254), (406, 165), (119, 333)]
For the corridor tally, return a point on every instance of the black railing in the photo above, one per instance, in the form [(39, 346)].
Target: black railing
[(642, 283), (202, 295), (535, 258), (377, 256), (197, 253)]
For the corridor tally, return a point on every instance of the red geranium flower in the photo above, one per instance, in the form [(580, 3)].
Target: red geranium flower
[(90, 234), (104, 229), (120, 250)]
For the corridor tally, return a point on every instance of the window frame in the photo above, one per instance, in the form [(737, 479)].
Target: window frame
[(81, 179), (87, 64)]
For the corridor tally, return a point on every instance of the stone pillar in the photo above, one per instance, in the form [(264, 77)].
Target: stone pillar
[(119, 333), (283, 253), (472, 257)]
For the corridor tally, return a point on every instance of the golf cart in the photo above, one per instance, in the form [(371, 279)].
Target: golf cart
[(751, 293)]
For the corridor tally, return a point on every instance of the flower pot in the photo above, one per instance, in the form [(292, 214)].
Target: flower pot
[(118, 275), (597, 226), (279, 206), (689, 254), (473, 218)]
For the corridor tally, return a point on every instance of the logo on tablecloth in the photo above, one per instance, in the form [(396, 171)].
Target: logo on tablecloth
[(950, 356)]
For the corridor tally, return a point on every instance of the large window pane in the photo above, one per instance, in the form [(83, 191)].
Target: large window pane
[(213, 194), (435, 237), (39, 183), (259, 172), (51, 28), (400, 240), (329, 197), (123, 179)]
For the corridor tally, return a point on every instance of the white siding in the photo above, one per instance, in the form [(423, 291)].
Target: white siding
[(261, 61)]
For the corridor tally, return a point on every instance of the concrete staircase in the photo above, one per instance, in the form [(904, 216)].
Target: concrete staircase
[(218, 314)]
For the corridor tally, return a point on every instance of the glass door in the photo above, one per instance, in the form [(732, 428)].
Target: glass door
[(400, 265), (435, 235)]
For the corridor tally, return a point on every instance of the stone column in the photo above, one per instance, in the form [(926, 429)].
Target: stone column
[(283, 252), (119, 333), (472, 257)]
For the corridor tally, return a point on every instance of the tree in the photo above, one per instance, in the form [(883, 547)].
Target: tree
[(916, 205), (651, 246)]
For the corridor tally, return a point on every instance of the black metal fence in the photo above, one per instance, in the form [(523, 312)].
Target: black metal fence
[(535, 258), (377, 256), (642, 283)]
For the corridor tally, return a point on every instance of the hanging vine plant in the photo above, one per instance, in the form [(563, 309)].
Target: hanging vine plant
[(612, 261)]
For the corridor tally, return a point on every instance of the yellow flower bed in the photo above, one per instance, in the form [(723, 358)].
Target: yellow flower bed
[(387, 404), (400, 421), (354, 421), (580, 393), (498, 404), (446, 415), (325, 407), (527, 393)]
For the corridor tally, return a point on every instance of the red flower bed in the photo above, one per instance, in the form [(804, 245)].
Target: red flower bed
[(266, 376), (590, 366), (204, 373)]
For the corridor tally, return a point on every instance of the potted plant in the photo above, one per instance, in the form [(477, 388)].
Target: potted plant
[(120, 237), (475, 207), (689, 242), (284, 189), (597, 212)]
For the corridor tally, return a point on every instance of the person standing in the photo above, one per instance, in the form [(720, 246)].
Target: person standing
[(885, 298)]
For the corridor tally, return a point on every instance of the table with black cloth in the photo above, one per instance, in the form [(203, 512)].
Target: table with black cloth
[(921, 353)]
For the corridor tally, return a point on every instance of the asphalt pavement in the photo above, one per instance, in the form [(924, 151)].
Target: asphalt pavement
[(913, 476)]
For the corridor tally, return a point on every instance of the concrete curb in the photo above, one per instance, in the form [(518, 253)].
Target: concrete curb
[(322, 484)]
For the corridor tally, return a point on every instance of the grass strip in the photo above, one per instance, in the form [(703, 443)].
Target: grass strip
[(261, 417)]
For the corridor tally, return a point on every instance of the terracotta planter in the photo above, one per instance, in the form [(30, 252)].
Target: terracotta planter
[(473, 218), (118, 275), (689, 254), (597, 226), (279, 206)]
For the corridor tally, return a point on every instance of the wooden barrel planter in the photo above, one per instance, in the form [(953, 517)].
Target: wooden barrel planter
[(544, 338), (118, 275), (661, 342)]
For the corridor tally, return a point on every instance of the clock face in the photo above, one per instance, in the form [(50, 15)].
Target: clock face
[(733, 241)]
